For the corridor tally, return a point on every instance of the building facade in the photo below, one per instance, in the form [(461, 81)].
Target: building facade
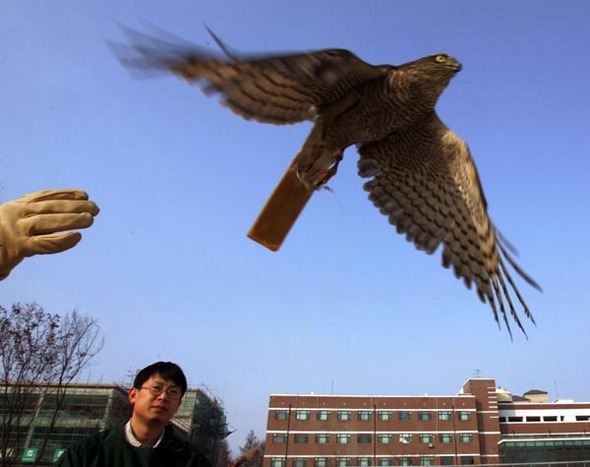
[(30, 434), (476, 426), (35, 430)]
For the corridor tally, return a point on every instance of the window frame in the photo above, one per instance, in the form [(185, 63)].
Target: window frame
[(343, 436), (426, 460), (322, 436), (404, 416), (445, 415), (405, 438), (279, 438), (464, 415), (364, 415), (424, 415), (281, 415), (426, 438), (344, 415), (302, 415), (300, 438), (384, 438), (445, 438), (384, 415), (323, 415), (367, 438), (465, 438)]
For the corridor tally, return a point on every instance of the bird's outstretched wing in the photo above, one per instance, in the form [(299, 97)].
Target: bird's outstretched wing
[(424, 180), (279, 89)]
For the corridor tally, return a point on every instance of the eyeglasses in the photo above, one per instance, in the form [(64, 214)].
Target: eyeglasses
[(172, 393)]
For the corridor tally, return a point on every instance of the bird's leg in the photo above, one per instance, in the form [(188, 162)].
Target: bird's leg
[(316, 164), (290, 197), (330, 172)]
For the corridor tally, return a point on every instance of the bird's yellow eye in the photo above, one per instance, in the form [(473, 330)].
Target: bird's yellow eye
[(440, 58)]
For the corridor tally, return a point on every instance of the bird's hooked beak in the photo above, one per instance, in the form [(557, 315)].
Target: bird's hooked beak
[(455, 65)]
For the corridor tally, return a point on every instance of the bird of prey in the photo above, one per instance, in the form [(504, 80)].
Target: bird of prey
[(421, 174)]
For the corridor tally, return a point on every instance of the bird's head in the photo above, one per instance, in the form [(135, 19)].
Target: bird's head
[(426, 78), (438, 68), (445, 61)]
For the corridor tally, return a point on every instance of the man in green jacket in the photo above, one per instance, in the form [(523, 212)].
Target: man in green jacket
[(145, 440)]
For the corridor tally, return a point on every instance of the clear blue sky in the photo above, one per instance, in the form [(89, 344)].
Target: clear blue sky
[(347, 305)]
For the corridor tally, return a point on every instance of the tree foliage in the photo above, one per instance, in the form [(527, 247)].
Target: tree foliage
[(252, 452), (40, 353), (224, 454)]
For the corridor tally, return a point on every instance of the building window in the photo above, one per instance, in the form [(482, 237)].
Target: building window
[(363, 462), (320, 462), (279, 438), (384, 415), (343, 462), (424, 416), (344, 415), (323, 415), (426, 438), (550, 418), (385, 462), (447, 460), (405, 438), (281, 414), (342, 438), (384, 439), (299, 462), (467, 460), (445, 438), (301, 438), (404, 415), (465, 438), (464, 416), (515, 419), (364, 438), (579, 418), (445, 415), (302, 415), (405, 461), (277, 462), (427, 460), (365, 416), (322, 438), (536, 419)]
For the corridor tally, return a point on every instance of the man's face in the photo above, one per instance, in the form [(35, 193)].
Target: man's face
[(152, 407)]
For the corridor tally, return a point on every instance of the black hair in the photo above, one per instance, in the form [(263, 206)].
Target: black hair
[(167, 370)]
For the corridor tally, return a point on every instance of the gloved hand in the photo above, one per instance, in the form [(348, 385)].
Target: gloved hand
[(29, 224)]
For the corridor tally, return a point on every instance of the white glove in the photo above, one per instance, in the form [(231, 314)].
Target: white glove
[(29, 224)]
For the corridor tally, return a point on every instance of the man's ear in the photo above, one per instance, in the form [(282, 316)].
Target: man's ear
[(132, 395)]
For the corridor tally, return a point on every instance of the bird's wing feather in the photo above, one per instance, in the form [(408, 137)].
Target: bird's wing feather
[(277, 89), (425, 181)]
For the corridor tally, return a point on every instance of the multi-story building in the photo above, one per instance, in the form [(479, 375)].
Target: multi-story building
[(472, 427), (30, 434)]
